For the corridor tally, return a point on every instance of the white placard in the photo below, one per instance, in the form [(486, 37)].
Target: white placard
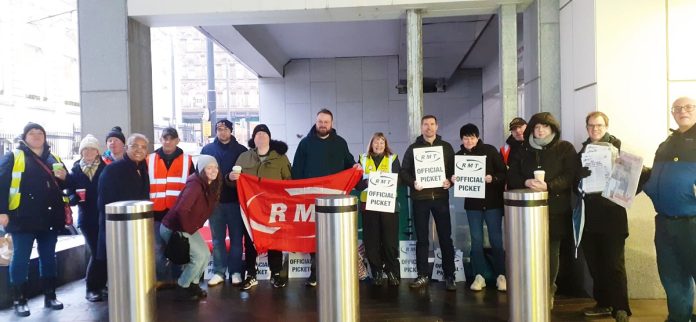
[(598, 158), (470, 173), (429, 164), (438, 273), (299, 265), (381, 192), (622, 186), (263, 273), (209, 270), (407, 259)]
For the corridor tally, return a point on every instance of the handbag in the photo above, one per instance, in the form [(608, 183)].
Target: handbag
[(178, 249)]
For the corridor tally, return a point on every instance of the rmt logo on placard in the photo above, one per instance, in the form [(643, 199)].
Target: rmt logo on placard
[(382, 180), (468, 164), (428, 156)]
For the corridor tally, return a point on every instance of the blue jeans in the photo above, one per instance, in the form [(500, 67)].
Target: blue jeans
[(227, 216), (494, 223), (23, 243), (164, 268), (198, 252), (675, 241)]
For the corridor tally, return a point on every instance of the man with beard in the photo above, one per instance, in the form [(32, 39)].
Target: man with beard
[(322, 152)]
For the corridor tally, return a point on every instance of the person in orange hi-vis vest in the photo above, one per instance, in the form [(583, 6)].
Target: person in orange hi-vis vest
[(515, 140), (168, 168)]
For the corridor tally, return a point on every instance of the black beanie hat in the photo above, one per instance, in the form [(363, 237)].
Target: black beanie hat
[(226, 123), (261, 128), (31, 126), (116, 132)]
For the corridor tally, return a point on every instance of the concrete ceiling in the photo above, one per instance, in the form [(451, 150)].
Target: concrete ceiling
[(266, 48)]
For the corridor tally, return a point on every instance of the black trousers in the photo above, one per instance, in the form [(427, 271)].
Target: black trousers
[(380, 236), (421, 219), (96, 269), (275, 258), (604, 254)]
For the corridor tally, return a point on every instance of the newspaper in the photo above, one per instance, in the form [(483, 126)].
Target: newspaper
[(623, 183), (598, 158)]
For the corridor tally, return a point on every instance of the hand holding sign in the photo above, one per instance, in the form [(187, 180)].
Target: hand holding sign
[(381, 192), (470, 175), (430, 167)]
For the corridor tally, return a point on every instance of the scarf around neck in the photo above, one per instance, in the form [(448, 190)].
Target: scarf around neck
[(539, 144), (89, 169)]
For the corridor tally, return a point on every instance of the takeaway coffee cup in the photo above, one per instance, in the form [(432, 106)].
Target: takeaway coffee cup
[(81, 193), (539, 175), (236, 169)]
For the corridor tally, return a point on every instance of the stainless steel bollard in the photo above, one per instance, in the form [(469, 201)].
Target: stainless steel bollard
[(337, 255), (131, 261), (527, 260)]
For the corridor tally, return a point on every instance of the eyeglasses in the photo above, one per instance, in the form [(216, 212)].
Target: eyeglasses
[(686, 108), (138, 146), (596, 126)]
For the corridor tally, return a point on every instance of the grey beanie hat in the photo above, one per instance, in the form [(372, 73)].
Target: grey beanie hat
[(204, 161)]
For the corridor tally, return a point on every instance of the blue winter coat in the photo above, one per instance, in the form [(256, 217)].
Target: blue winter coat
[(88, 210), (226, 156)]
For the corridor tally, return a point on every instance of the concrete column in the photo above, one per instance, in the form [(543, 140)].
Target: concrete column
[(115, 69), (414, 70), (507, 55), (542, 58)]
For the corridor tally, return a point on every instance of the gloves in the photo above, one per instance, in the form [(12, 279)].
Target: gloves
[(584, 172)]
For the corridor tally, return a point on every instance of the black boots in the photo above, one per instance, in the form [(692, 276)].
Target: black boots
[(50, 301), (20, 301), (393, 279), (377, 278)]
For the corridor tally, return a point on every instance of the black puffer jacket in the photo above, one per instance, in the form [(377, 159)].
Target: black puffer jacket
[(494, 167), (602, 215), (407, 174), (559, 160)]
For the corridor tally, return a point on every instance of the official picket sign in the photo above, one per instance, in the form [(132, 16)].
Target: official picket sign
[(438, 273), (429, 164), (381, 192), (407, 259), (299, 265), (470, 176)]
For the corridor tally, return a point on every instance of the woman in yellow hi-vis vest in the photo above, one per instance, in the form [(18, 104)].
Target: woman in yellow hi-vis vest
[(32, 208), (380, 229)]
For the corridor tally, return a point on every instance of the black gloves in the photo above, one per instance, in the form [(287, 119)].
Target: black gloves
[(584, 172)]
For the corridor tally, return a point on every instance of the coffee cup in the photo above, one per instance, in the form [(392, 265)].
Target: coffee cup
[(236, 169), (81, 193), (539, 175), (57, 166)]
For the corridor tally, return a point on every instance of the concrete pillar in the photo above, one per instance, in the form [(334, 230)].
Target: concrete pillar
[(414, 70), (542, 58), (115, 69), (507, 55)]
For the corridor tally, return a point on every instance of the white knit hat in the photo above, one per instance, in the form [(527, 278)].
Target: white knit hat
[(203, 161), (89, 142)]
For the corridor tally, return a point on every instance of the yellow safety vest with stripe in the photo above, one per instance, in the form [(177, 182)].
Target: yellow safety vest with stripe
[(17, 170), (369, 166)]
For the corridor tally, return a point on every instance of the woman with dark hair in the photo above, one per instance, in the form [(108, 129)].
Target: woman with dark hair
[(32, 208), (380, 229), (83, 186), (193, 207), (489, 209), (544, 150)]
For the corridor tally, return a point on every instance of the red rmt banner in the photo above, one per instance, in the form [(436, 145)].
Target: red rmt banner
[(279, 214)]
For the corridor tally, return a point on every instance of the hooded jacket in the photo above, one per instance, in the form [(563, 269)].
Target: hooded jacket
[(317, 157), (494, 167), (275, 166), (602, 215), (559, 160), (193, 207), (407, 174), (226, 156)]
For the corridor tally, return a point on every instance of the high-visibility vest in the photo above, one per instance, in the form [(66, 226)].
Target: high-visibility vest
[(505, 152), (17, 170), (167, 184), (368, 166)]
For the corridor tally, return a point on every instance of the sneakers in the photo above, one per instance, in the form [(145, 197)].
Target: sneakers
[(215, 280), (450, 284), (312, 280), (597, 311), (392, 279), (377, 278), (250, 282), (197, 290), (278, 282), (621, 316), (419, 282), (501, 283), (479, 283), (236, 279)]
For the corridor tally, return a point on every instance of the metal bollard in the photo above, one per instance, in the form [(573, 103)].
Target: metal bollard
[(337, 255), (131, 261), (527, 260)]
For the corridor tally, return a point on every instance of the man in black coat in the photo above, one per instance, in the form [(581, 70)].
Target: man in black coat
[(125, 179), (431, 200)]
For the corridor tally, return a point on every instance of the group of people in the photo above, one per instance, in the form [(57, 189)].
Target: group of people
[(186, 195)]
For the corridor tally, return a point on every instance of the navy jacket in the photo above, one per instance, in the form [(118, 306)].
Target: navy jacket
[(317, 157), (41, 205), (88, 210), (497, 169), (120, 181), (226, 156)]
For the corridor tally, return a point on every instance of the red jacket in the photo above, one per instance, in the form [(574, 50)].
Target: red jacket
[(193, 207)]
